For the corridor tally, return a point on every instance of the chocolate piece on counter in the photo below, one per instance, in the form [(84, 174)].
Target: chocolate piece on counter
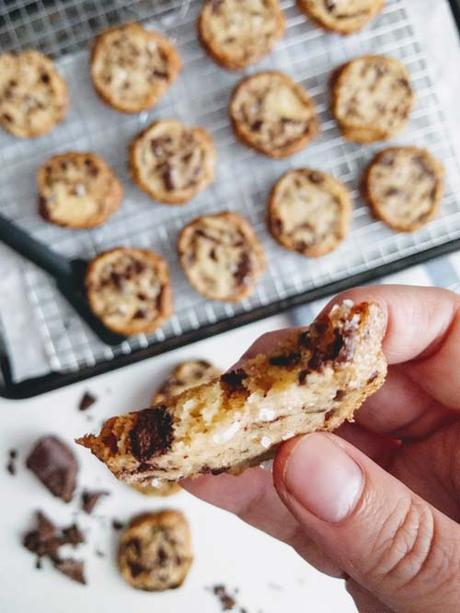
[(74, 569), (90, 499), (227, 601), (117, 524), (11, 465), (86, 401), (54, 464), (72, 536)]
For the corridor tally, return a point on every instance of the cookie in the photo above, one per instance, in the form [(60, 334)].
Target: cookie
[(129, 290), (272, 114), (132, 67), (372, 98), (404, 187), (77, 190), (341, 16), (221, 256), (309, 212), (33, 95), (161, 489), (155, 551), (184, 376), (172, 162), (237, 34), (314, 380)]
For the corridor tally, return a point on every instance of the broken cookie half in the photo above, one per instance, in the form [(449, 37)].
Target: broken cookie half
[(315, 380)]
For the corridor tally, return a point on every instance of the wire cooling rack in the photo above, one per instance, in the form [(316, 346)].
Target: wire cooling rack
[(200, 96)]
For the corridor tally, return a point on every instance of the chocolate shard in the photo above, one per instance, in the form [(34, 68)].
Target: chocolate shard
[(74, 569), (72, 536), (233, 379), (151, 434), (89, 499), (86, 401)]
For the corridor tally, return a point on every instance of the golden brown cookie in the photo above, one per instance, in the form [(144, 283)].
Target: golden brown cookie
[(272, 114), (237, 33), (404, 187), (33, 95), (155, 551), (132, 67), (77, 190), (129, 290), (341, 16), (162, 489), (221, 256), (309, 212), (372, 98), (172, 162), (184, 376)]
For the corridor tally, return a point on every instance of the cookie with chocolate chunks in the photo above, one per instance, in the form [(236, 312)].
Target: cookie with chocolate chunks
[(129, 290), (172, 162), (155, 551), (237, 34), (341, 16), (221, 256), (132, 67), (314, 380), (272, 114), (372, 98), (404, 187), (309, 212), (185, 375)]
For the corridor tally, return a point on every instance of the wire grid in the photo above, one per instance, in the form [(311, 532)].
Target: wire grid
[(243, 180)]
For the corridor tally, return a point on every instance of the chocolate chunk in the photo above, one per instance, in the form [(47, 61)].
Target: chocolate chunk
[(151, 434), (339, 395), (233, 379), (117, 524), (86, 401), (243, 269), (74, 569), (303, 376), (72, 536), (168, 178), (90, 499), (316, 177), (227, 601), (289, 359), (11, 465), (257, 125), (327, 354), (54, 464)]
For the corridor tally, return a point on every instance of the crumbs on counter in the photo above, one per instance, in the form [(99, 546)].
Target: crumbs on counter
[(89, 499), (227, 601), (11, 464), (87, 401)]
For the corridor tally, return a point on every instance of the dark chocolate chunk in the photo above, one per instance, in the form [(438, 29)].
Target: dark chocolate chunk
[(339, 395), (315, 177), (90, 499), (11, 465), (117, 524), (227, 601), (288, 359), (72, 535), (233, 379), (152, 433), (86, 401), (244, 268), (74, 569)]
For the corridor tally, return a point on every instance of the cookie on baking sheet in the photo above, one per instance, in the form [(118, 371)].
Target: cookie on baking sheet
[(404, 187), (77, 190), (155, 551), (129, 290), (172, 162), (341, 16), (237, 33), (132, 67), (184, 376), (221, 256), (309, 212), (272, 114), (372, 98), (33, 95)]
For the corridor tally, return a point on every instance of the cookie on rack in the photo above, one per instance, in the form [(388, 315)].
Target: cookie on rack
[(372, 98), (309, 212), (33, 96), (129, 290), (341, 16), (273, 114), (237, 34), (185, 375), (132, 67), (172, 162), (155, 551), (221, 256), (404, 187), (77, 190)]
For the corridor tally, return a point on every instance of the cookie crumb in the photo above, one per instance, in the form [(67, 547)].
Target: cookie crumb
[(89, 499), (86, 401), (11, 465), (117, 524), (226, 600)]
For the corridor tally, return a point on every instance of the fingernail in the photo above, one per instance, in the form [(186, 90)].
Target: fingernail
[(323, 478)]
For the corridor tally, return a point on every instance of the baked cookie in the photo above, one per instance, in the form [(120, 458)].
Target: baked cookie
[(372, 98), (221, 256), (33, 95), (129, 290), (404, 187), (341, 16), (184, 376), (237, 33), (132, 67), (309, 212), (77, 190), (163, 489), (155, 551), (314, 380), (172, 162), (272, 114)]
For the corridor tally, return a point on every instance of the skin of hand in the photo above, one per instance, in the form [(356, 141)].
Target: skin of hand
[(378, 502)]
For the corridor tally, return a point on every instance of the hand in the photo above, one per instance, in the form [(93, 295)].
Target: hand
[(378, 502)]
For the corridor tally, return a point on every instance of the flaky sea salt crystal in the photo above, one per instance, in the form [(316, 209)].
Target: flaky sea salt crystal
[(226, 435), (266, 442), (348, 303), (267, 414), (155, 482)]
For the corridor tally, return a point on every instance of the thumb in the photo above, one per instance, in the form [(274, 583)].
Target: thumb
[(389, 540)]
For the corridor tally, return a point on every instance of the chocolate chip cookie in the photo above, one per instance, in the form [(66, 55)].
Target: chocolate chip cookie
[(33, 95), (237, 33), (404, 187), (155, 551), (272, 114), (129, 290), (172, 162), (309, 212), (184, 376), (341, 16), (132, 67), (221, 256), (372, 98), (77, 190)]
